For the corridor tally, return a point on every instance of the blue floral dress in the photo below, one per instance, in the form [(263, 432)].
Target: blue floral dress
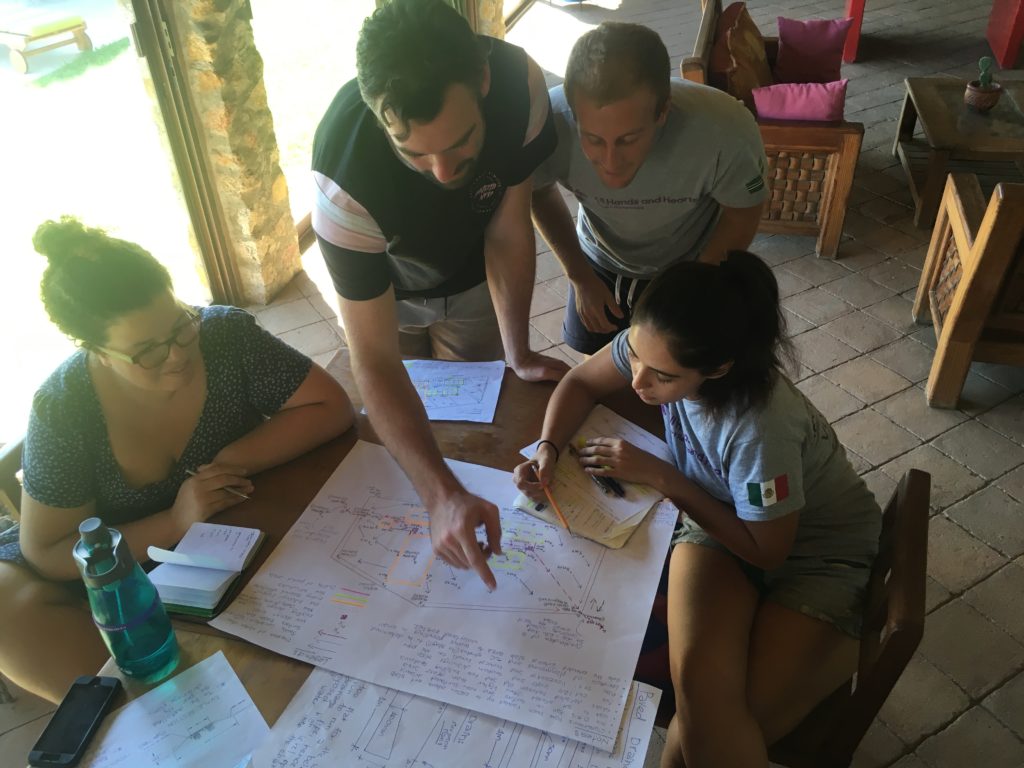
[(67, 458)]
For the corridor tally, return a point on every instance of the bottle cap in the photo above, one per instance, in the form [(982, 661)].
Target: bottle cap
[(94, 532)]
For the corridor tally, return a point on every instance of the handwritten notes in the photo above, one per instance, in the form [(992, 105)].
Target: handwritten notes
[(354, 587), (201, 717), (209, 545), (337, 720), (457, 391), (592, 513)]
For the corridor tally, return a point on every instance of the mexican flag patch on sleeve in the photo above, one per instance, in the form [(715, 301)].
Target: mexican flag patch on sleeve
[(769, 492)]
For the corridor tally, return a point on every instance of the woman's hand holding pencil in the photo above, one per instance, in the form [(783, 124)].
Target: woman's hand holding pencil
[(208, 490), (534, 478)]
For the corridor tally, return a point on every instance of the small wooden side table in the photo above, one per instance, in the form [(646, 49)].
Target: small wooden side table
[(957, 140)]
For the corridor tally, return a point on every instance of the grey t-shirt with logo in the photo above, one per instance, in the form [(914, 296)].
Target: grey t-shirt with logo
[(707, 154), (784, 457)]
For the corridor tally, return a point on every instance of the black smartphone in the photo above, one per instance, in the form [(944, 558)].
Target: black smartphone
[(66, 736)]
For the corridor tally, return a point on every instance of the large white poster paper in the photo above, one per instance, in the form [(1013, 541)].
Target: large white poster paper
[(354, 587)]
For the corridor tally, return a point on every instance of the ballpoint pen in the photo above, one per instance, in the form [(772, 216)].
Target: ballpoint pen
[(226, 488)]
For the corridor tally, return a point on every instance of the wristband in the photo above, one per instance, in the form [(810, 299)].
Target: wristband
[(553, 447)]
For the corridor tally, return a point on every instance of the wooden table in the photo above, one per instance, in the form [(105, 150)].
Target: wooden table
[(957, 139), (282, 494)]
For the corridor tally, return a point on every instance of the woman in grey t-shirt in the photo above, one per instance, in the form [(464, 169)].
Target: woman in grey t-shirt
[(778, 533)]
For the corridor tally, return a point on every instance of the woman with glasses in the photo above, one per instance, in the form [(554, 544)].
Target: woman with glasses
[(156, 422)]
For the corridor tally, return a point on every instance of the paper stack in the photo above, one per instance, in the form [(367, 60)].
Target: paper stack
[(591, 511)]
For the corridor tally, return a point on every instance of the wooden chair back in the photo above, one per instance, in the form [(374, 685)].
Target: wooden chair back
[(10, 465), (893, 627), (810, 164), (972, 284), (696, 67)]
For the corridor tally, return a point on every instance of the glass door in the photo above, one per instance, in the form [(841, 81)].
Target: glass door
[(81, 136)]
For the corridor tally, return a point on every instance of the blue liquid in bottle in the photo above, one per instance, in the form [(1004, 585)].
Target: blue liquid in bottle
[(125, 605)]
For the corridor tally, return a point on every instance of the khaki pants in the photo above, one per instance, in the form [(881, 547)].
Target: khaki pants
[(460, 327)]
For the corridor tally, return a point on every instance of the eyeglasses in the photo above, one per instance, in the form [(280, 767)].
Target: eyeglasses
[(155, 354)]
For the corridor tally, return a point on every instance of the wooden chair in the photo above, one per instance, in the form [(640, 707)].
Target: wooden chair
[(810, 164), (893, 624), (893, 627), (10, 488), (972, 284)]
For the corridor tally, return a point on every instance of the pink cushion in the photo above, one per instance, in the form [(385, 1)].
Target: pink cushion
[(810, 51), (801, 101)]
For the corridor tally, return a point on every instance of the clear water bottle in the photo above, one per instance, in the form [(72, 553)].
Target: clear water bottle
[(125, 605)]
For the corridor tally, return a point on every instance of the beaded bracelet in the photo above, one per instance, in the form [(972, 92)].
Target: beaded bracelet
[(553, 446)]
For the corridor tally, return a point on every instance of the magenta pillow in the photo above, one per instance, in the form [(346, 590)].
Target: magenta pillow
[(801, 101), (810, 51)]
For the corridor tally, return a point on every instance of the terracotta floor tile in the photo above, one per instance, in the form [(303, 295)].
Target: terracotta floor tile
[(980, 449), (867, 380), (910, 410), (873, 436), (976, 654), (922, 701), (950, 480), (975, 739), (998, 598), (956, 559)]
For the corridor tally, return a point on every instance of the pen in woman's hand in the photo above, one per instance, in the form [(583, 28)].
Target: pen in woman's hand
[(227, 488), (609, 485)]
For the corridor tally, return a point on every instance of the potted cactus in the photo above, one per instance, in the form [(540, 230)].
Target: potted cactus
[(982, 94)]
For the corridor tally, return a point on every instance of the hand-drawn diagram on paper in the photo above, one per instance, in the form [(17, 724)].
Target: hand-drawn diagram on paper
[(201, 717), (354, 587), (457, 391), (337, 720)]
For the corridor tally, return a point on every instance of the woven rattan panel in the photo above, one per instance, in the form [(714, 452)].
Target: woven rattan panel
[(950, 272), (797, 183)]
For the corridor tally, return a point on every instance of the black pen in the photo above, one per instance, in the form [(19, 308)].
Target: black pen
[(616, 487), (609, 485)]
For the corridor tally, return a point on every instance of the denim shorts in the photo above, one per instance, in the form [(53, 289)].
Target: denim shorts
[(825, 588), (627, 292)]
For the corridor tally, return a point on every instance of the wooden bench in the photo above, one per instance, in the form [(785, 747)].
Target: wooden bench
[(53, 34), (810, 164)]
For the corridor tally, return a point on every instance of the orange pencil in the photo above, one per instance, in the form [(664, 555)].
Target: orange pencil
[(554, 506)]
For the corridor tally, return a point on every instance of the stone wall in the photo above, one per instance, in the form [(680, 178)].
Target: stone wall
[(490, 18), (226, 79)]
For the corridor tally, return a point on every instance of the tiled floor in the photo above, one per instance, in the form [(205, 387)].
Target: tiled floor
[(863, 362)]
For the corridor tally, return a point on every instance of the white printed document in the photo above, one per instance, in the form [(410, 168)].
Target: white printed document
[(355, 587), (201, 717), (336, 720), (453, 391)]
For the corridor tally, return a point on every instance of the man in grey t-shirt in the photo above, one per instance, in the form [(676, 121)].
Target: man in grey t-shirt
[(663, 170)]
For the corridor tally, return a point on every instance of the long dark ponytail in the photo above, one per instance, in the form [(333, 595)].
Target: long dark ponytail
[(714, 314)]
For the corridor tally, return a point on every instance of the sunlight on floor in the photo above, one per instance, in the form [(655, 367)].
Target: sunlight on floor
[(548, 32)]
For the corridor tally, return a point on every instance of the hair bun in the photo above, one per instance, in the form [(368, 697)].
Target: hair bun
[(59, 241)]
